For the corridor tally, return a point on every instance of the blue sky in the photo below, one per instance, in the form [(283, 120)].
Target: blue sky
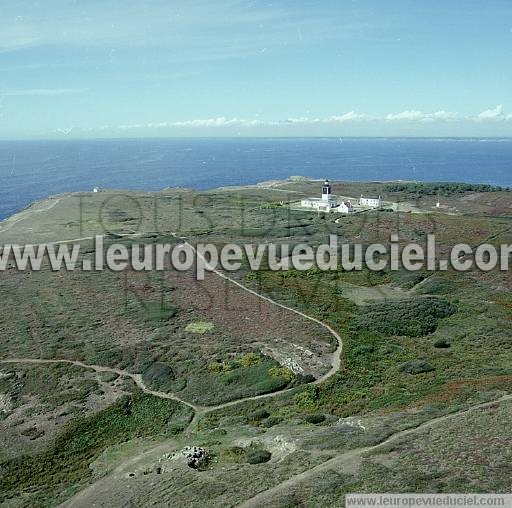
[(123, 68)]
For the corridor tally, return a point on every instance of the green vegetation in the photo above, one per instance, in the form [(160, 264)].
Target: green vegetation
[(250, 359), (257, 377), (414, 348), (442, 344), (200, 327), (416, 367), (441, 188), (67, 459), (413, 318), (154, 311), (258, 415), (282, 372), (315, 418), (258, 456), (218, 367), (159, 376), (250, 455)]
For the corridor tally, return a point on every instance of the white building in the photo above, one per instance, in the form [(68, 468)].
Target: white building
[(324, 204), (345, 207), (371, 201), (328, 202), (316, 204)]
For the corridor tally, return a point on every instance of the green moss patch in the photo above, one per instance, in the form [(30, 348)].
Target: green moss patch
[(200, 327)]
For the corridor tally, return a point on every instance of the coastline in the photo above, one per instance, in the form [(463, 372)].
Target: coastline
[(263, 185)]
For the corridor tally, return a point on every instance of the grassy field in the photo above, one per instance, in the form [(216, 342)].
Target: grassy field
[(415, 346), (461, 454)]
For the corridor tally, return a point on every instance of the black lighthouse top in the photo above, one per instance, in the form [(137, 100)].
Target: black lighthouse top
[(326, 189)]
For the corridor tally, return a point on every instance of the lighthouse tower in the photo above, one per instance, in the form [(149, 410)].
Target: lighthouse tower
[(327, 191)]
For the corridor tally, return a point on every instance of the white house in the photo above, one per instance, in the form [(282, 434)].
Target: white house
[(371, 201), (345, 207)]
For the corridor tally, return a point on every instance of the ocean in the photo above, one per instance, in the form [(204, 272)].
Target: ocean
[(31, 170)]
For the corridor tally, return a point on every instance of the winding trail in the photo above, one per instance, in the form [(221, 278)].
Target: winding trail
[(348, 459), (336, 356), (137, 378), (201, 410), (198, 409), (263, 498)]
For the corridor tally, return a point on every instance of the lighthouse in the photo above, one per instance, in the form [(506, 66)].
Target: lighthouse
[(327, 203), (326, 191)]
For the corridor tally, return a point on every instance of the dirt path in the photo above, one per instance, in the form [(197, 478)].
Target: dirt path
[(348, 459), (199, 410), (263, 498), (336, 356), (137, 378)]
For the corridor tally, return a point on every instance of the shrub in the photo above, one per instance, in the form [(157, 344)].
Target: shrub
[(282, 372), (108, 377), (416, 367), (250, 359), (234, 454), (251, 276), (271, 421), (158, 311), (413, 318), (442, 344), (315, 419), (439, 188), (160, 376), (215, 367), (258, 457), (258, 415), (251, 380), (303, 379), (308, 398), (436, 285), (219, 367)]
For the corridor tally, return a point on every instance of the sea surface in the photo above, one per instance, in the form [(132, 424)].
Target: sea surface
[(31, 170)]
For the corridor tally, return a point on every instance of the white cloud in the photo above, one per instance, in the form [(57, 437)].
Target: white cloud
[(405, 115), (208, 122), (351, 116), (444, 115), (303, 120), (496, 114), (217, 122), (198, 123), (419, 116)]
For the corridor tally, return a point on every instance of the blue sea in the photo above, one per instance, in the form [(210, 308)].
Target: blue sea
[(31, 170)]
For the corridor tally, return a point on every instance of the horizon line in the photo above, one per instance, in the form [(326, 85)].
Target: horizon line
[(139, 138)]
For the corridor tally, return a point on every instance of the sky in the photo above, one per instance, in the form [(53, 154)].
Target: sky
[(158, 68)]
